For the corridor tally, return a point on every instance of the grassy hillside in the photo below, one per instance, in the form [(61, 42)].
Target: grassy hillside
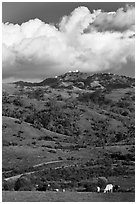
[(85, 121)]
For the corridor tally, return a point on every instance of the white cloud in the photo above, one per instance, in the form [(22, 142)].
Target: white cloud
[(35, 49), (123, 19), (8, 57)]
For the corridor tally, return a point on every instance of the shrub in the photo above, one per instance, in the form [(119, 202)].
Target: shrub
[(18, 121), (23, 184), (17, 101), (8, 185), (34, 142), (102, 182), (60, 158)]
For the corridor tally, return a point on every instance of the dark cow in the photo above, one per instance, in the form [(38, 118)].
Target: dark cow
[(41, 187), (115, 188)]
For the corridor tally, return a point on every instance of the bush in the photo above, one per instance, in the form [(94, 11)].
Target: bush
[(18, 121), (17, 101), (23, 184), (38, 94), (102, 182), (8, 185), (90, 187), (34, 143), (60, 158)]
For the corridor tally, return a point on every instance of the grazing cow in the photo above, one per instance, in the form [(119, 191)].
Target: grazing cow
[(109, 188), (98, 189), (41, 187), (57, 190), (63, 190), (115, 188)]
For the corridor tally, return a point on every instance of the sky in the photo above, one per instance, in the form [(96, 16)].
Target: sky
[(50, 38)]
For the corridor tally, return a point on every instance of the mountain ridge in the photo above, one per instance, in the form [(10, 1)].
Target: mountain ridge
[(84, 81)]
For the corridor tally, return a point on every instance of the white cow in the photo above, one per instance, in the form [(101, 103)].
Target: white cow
[(109, 188), (98, 189), (57, 190), (63, 190)]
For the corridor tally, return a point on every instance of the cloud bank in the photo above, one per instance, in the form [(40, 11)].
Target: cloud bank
[(83, 40)]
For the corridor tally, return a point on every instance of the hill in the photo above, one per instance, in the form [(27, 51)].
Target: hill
[(81, 119)]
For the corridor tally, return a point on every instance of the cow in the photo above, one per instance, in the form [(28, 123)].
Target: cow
[(41, 187), (115, 188), (98, 189), (63, 190), (57, 190), (109, 188)]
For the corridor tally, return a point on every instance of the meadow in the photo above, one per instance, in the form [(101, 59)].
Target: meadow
[(11, 196)]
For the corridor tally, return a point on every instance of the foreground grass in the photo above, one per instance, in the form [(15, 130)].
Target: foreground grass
[(25, 196)]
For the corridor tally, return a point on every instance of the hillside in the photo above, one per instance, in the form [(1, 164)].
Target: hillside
[(77, 118), (79, 105)]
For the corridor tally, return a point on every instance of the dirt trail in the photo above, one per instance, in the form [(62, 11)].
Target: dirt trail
[(27, 173), (41, 164), (44, 163)]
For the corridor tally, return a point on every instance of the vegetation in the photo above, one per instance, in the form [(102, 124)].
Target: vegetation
[(85, 123)]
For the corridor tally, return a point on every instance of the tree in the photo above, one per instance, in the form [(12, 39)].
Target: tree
[(23, 184), (102, 126), (102, 182)]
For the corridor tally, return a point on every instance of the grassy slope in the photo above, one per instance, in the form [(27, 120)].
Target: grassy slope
[(19, 149), (24, 145), (21, 144), (25, 149)]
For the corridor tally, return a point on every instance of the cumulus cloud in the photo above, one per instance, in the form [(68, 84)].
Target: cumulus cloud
[(123, 19), (35, 49)]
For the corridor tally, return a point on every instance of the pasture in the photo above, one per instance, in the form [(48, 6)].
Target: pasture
[(29, 196)]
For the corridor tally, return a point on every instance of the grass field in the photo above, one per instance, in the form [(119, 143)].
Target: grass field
[(10, 196)]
